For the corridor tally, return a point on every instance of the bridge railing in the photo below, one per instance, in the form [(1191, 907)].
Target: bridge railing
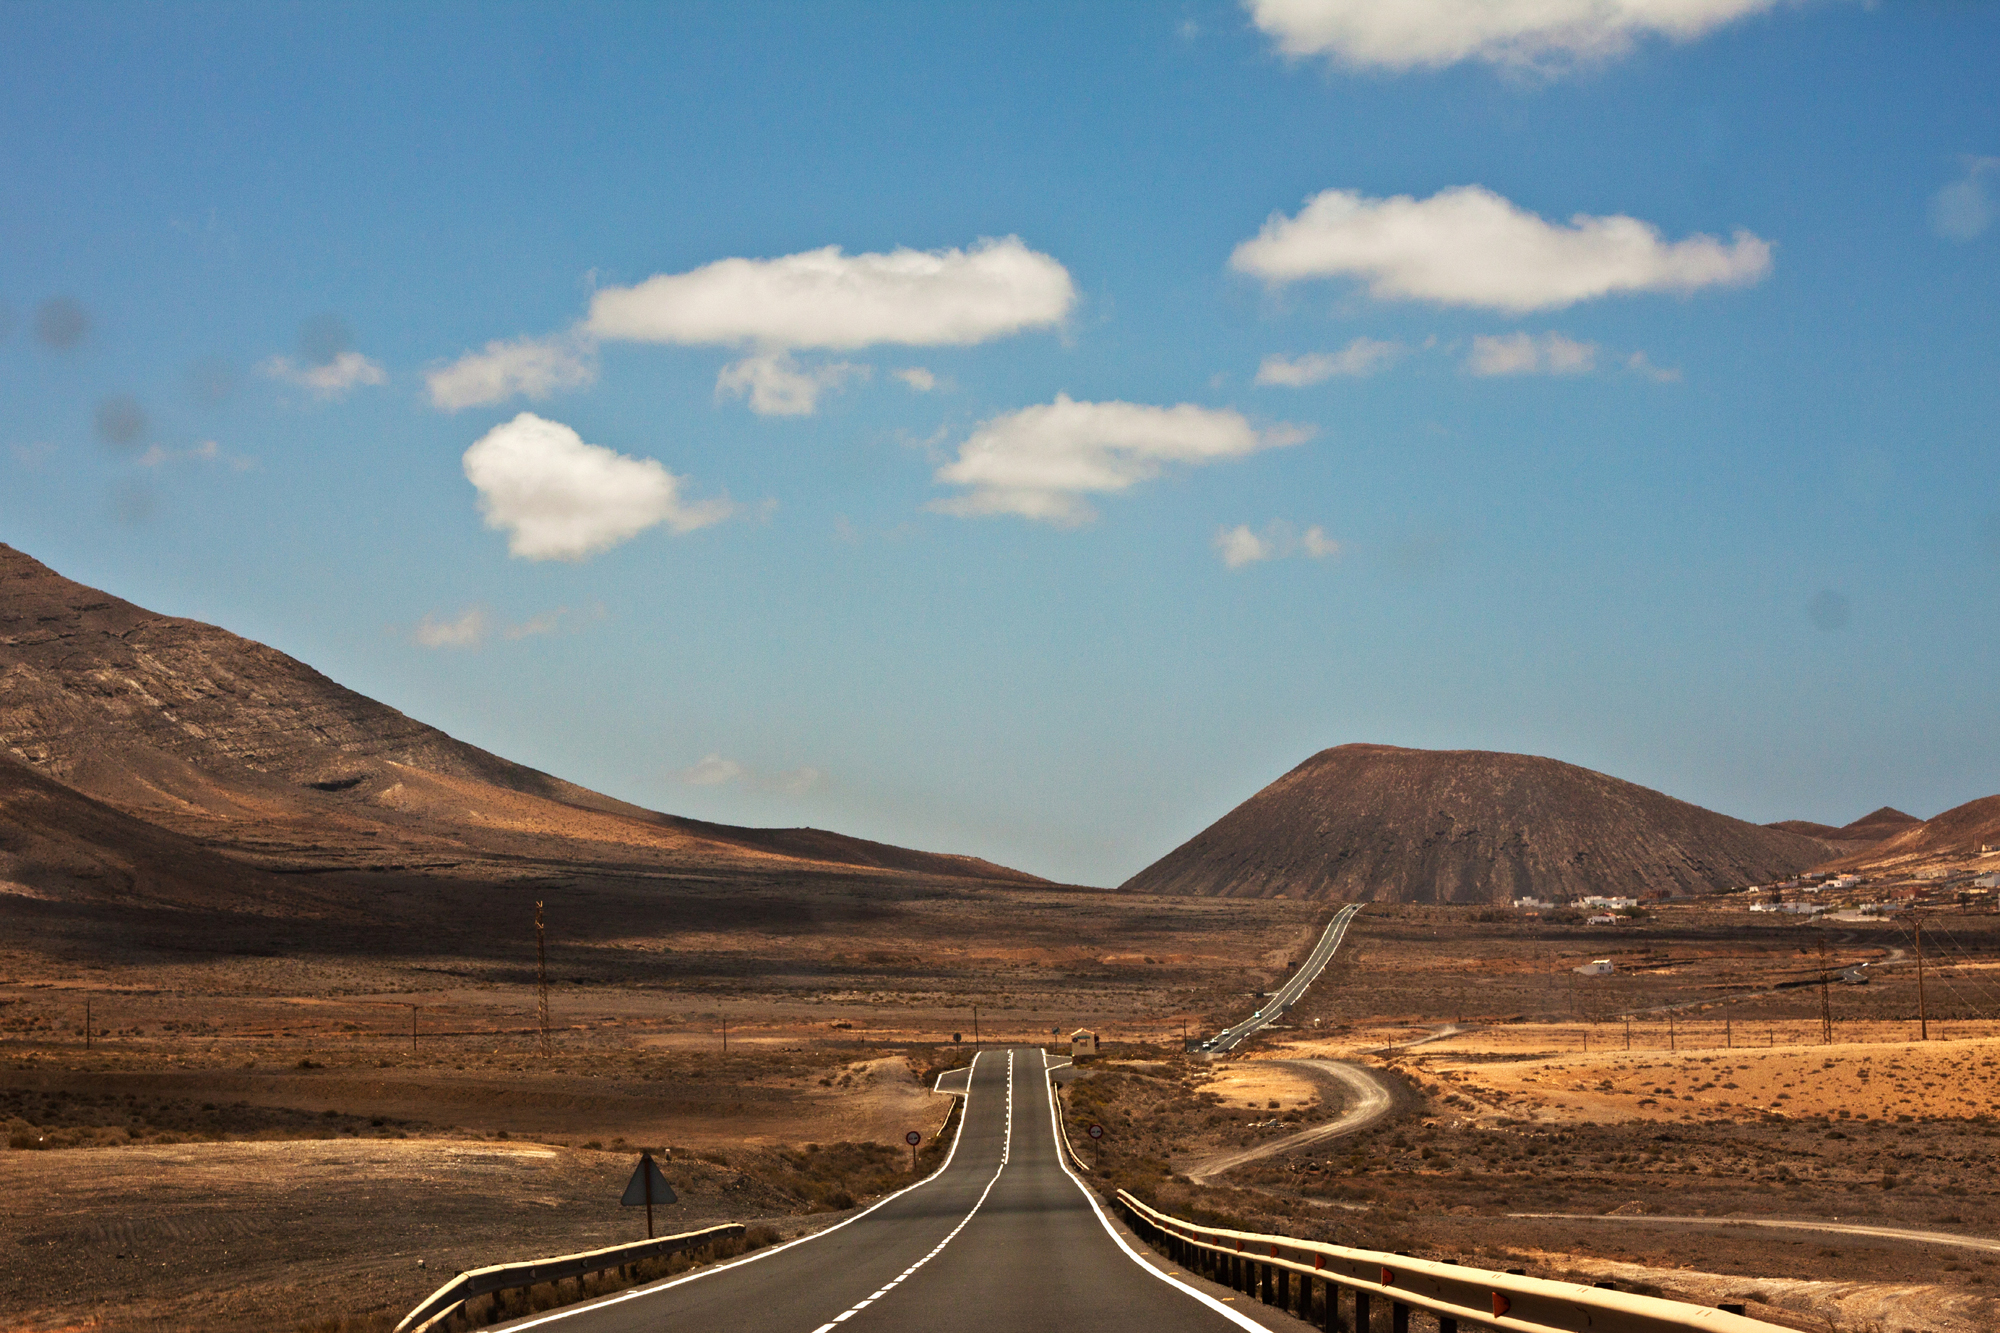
[(507, 1277), (1314, 1280)]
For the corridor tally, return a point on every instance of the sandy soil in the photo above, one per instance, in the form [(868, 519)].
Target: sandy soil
[(1259, 1084), (1892, 1081)]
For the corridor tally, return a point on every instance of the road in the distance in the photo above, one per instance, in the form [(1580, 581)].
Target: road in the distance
[(1286, 995), (1002, 1239)]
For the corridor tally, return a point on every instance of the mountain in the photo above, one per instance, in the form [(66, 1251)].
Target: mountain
[(1383, 824), (1951, 839), (226, 747), (1876, 826)]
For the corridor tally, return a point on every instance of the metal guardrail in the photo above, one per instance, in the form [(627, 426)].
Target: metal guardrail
[(506, 1277), (1266, 1266)]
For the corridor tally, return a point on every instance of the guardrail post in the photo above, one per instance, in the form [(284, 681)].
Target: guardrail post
[(1446, 1324), (1284, 1289), (1399, 1317), (1264, 1285), (1329, 1306), (1362, 1323)]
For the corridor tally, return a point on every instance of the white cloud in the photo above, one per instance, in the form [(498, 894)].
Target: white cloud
[(1525, 354), (794, 781), (1242, 545), (1039, 462), (714, 771), (1639, 364), (1239, 546), (824, 298), (531, 367), (558, 498), (467, 630), (1318, 545), (208, 451), (550, 622), (1363, 356), (335, 378), (1541, 35), (778, 387), (917, 378), (1467, 246), (1964, 209)]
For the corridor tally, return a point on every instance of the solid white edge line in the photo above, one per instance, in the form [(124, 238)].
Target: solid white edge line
[(637, 1292), (1241, 1320)]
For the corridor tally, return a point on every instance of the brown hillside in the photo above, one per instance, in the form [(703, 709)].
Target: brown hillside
[(1954, 836), (1870, 829), (239, 747), (1383, 824)]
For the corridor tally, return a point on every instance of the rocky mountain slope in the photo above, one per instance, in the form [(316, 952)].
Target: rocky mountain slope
[(1382, 824), (1948, 841), (1874, 827), (241, 750)]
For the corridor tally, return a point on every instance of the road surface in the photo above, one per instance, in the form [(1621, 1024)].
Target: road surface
[(1002, 1238), (1374, 1097), (1286, 995)]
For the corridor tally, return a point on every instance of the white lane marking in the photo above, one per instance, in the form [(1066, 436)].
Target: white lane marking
[(713, 1269), (1006, 1151), (1232, 1316)]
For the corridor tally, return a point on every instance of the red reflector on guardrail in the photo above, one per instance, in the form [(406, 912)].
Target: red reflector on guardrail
[(1388, 1278), (1501, 1305), (1319, 1262)]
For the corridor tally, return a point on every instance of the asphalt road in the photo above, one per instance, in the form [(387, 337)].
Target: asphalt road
[(1002, 1239), (1286, 995)]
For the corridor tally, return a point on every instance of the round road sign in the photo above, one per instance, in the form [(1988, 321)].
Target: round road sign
[(913, 1138), (1097, 1131)]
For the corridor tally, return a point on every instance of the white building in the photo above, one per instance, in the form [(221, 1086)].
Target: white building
[(1610, 904), (1600, 967), (1987, 882), (1602, 919), (1532, 902), (1082, 1042)]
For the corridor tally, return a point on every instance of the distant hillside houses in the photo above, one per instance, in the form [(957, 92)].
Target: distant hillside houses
[(1609, 904)]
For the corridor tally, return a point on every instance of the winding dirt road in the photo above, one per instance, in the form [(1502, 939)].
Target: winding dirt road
[(1374, 1097)]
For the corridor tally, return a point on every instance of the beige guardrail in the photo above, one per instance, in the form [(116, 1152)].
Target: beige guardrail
[(507, 1277), (1308, 1278)]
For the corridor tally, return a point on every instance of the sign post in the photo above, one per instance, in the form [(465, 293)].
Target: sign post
[(646, 1188), (1096, 1138), (913, 1139)]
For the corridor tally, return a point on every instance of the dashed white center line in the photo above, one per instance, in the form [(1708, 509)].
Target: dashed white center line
[(1006, 1151)]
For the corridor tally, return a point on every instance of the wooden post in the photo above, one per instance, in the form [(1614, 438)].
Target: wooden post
[(1825, 996), (1728, 1034), (413, 1029), (542, 990), (86, 1022), (1923, 1010)]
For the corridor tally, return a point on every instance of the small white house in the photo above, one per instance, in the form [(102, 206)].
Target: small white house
[(1987, 882), (1533, 902), (1600, 967), (1082, 1042), (1602, 919)]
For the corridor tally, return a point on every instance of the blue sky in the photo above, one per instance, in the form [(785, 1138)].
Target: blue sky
[(1629, 389)]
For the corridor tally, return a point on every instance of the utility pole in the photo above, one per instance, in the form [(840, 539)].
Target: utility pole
[(1825, 996), (542, 976), (975, 1027), (1923, 1011), (413, 1029), (1628, 1034), (723, 1014), (86, 1022), (1672, 1044), (1728, 1034)]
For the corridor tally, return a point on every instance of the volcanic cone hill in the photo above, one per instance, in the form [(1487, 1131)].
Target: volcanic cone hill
[(1948, 841), (1875, 827), (241, 750), (1378, 823)]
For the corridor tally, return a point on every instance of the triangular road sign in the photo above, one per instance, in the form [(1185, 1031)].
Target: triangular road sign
[(647, 1172)]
